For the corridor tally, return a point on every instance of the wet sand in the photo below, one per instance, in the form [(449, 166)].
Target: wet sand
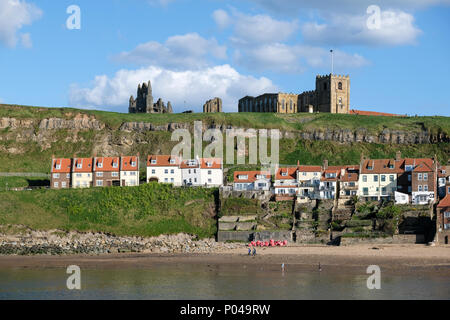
[(397, 259)]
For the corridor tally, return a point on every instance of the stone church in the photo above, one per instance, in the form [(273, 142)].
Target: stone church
[(144, 101), (332, 95)]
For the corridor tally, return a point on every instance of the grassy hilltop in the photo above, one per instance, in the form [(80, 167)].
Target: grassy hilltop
[(30, 150)]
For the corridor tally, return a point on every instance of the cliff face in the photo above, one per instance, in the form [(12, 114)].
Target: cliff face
[(27, 144)]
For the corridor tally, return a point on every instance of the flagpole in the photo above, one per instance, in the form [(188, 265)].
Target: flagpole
[(332, 62)]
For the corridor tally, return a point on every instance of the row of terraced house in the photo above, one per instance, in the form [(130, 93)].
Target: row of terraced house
[(124, 171), (403, 180)]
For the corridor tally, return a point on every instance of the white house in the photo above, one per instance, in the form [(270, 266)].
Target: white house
[(286, 184), (190, 173), (164, 169), (82, 173), (211, 172), (129, 171), (252, 180)]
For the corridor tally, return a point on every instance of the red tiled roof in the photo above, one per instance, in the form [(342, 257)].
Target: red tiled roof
[(107, 164), (445, 203), (65, 165), (252, 176), (86, 165), (310, 168), (163, 161), (126, 163), (215, 163), (381, 166), (184, 164), (291, 173), (373, 113)]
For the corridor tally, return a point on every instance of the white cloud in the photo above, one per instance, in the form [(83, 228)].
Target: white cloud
[(189, 51), (194, 87), (221, 18), (396, 28), (358, 7), (294, 59), (248, 30), (26, 40), (15, 14)]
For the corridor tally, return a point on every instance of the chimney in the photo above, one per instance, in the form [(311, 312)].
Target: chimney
[(398, 156), (325, 164), (298, 163), (342, 172)]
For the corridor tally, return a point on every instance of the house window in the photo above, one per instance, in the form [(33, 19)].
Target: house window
[(209, 180), (383, 178), (420, 188), (166, 171), (99, 183), (68, 176), (79, 166), (133, 164), (56, 185), (340, 85), (383, 191), (153, 171), (172, 161), (99, 174), (391, 178), (304, 174), (172, 179), (425, 188), (56, 176), (447, 214), (166, 180), (115, 165), (409, 177), (153, 162), (447, 226), (209, 172), (419, 177), (366, 191), (364, 178), (79, 175), (115, 174), (63, 184), (409, 189), (100, 165), (132, 173), (125, 173), (375, 178), (425, 176), (172, 171)]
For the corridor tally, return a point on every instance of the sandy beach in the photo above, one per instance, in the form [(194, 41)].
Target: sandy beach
[(391, 258)]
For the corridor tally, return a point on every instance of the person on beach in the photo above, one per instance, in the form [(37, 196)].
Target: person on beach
[(249, 251), (254, 251)]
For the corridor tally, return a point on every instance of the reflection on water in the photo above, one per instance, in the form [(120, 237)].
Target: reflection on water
[(169, 283)]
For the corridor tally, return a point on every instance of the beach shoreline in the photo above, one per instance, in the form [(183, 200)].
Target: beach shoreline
[(394, 259)]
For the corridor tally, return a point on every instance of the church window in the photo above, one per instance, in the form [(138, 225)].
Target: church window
[(340, 85)]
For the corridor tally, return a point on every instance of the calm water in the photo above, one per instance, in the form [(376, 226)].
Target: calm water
[(167, 283)]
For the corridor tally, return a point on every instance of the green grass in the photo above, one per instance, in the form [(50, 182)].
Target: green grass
[(147, 210), (21, 182), (240, 206), (31, 156)]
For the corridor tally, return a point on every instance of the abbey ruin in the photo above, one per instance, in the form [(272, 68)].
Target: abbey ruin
[(144, 101)]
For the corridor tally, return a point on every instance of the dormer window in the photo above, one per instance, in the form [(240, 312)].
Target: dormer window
[(172, 161), (153, 161), (391, 166), (79, 165), (115, 165), (209, 164), (369, 167), (243, 177), (100, 164), (284, 174), (133, 164), (58, 166)]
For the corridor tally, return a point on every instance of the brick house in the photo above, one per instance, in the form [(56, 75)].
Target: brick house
[(82, 173), (423, 181), (106, 171), (348, 182), (61, 173), (443, 221), (129, 171)]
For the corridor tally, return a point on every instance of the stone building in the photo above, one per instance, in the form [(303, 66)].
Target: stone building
[(144, 101), (213, 105), (270, 102), (332, 95)]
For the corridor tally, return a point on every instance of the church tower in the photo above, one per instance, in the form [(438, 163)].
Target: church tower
[(333, 93)]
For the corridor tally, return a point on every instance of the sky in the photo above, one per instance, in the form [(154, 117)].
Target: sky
[(396, 52)]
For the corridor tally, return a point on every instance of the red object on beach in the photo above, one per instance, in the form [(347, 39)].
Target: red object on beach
[(258, 243), (267, 243), (285, 242), (253, 243)]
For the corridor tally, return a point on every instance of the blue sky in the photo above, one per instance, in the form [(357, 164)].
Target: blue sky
[(194, 50)]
